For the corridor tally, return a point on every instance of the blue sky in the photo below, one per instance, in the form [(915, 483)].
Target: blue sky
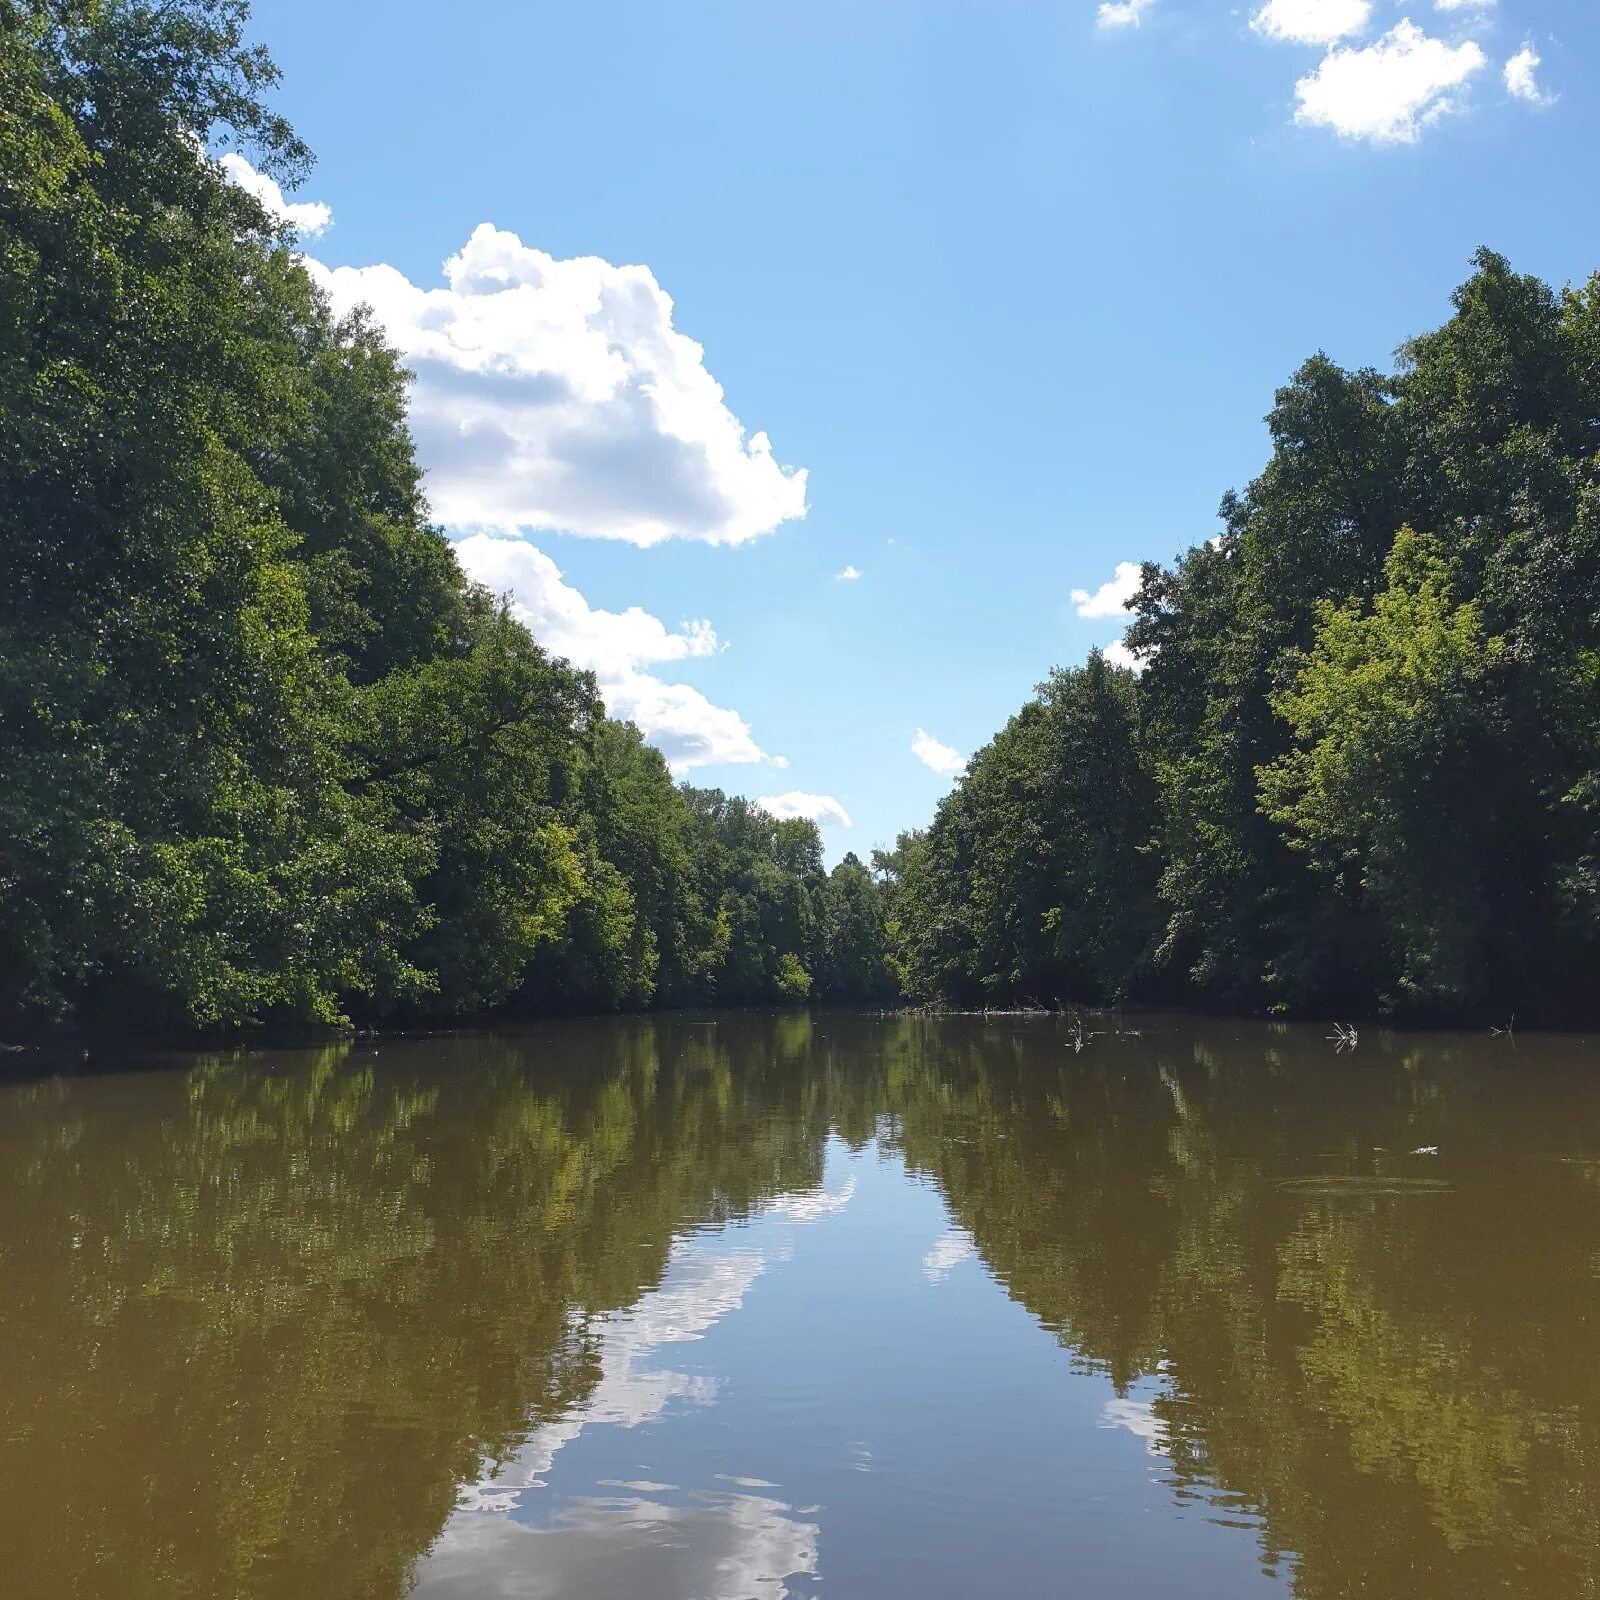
[(1011, 284)]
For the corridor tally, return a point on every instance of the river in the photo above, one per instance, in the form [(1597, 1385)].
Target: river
[(742, 1307)]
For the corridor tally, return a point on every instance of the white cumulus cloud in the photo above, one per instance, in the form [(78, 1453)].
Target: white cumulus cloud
[(688, 729), (1311, 21), (307, 217), (849, 575), (1119, 655), (1464, 5), (1521, 76), (609, 643), (1390, 90), (557, 395), (1122, 13), (821, 809), (1112, 597), (937, 757)]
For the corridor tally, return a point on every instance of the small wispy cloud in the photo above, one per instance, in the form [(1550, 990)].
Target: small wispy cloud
[(937, 757), (849, 575), (621, 648), (821, 809), (1122, 13), (1311, 21), (307, 217), (1385, 91), (1521, 75), (1389, 91), (1119, 655), (1112, 597)]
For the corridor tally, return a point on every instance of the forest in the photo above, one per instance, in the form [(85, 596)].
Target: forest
[(1359, 769), (265, 755), (268, 758)]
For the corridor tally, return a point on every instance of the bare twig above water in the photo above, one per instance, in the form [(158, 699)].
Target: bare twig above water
[(1344, 1037), (1077, 1035)]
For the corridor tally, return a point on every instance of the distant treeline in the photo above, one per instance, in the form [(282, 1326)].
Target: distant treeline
[(1360, 770), (265, 755)]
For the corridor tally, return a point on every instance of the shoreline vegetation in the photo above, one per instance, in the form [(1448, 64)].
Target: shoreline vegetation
[(268, 762), (70, 1050)]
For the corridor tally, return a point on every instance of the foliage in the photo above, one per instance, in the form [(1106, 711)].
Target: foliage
[(1041, 849), (1391, 723), (265, 755), (1362, 761)]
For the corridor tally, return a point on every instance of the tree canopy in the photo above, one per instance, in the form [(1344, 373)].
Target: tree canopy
[(265, 755), (1360, 768)]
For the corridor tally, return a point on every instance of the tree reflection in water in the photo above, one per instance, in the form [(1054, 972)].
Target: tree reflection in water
[(288, 1324)]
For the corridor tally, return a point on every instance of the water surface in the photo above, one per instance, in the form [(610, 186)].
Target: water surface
[(746, 1307)]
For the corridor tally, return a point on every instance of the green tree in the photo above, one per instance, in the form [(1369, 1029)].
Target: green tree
[(178, 832), (1036, 881), (1395, 727), (852, 955)]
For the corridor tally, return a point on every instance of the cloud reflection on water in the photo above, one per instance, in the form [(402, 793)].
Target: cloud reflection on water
[(716, 1543), (949, 1251), (721, 1546), (1138, 1417)]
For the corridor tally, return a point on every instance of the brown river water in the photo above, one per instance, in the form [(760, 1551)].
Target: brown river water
[(741, 1307)]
